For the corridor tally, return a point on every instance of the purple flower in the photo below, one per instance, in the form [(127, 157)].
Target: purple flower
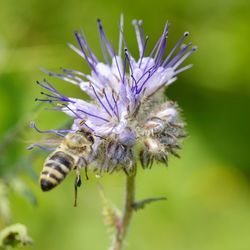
[(126, 111)]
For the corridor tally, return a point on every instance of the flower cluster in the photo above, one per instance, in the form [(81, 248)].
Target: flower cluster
[(128, 116)]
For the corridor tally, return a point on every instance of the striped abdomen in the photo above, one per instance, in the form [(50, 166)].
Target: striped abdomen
[(55, 169)]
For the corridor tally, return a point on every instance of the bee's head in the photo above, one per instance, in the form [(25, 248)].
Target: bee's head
[(88, 135)]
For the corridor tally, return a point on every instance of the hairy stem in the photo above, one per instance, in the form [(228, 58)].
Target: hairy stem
[(122, 228)]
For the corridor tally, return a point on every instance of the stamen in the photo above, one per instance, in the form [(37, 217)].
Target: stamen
[(162, 50), (41, 147), (105, 41), (185, 57), (49, 100), (178, 56), (54, 131), (104, 52), (140, 22), (117, 65), (150, 73), (145, 81), (66, 77), (120, 36), (152, 52), (124, 70), (115, 101), (52, 96), (175, 47), (100, 101), (96, 116), (143, 51), (50, 88), (88, 77), (91, 54), (77, 115), (44, 100), (138, 36), (72, 71), (55, 109), (127, 55), (53, 90), (183, 69), (162, 40), (78, 51), (84, 53), (124, 41), (134, 86), (110, 106)]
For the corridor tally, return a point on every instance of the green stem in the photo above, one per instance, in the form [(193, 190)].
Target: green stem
[(122, 228)]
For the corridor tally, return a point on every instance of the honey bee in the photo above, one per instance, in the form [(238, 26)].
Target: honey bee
[(72, 153)]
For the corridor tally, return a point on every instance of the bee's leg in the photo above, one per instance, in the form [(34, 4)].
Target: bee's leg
[(82, 163), (78, 182), (86, 173)]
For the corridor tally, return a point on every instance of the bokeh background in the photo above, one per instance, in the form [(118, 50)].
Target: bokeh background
[(208, 189)]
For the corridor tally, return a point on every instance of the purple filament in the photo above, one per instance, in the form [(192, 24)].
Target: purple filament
[(41, 147)]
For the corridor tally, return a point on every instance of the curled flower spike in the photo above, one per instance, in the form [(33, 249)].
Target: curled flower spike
[(127, 110)]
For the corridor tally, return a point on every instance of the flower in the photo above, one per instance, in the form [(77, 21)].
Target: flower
[(127, 113)]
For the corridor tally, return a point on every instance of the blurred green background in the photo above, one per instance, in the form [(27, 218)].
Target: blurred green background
[(208, 190)]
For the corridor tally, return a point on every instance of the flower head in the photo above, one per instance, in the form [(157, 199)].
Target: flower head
[(127, 110)]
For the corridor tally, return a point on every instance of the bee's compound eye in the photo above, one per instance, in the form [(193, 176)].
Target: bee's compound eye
[(90, 137)]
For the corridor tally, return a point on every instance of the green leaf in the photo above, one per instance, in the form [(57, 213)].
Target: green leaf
[(14, 236), (142, 203)]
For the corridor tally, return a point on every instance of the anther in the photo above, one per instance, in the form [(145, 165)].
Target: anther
[(134, 22), (195, 48)]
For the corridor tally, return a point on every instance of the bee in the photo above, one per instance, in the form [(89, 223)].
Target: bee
[(72, 153)]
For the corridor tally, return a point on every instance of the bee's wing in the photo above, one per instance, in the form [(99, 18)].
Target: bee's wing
[(47, 143), (52, 140)]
